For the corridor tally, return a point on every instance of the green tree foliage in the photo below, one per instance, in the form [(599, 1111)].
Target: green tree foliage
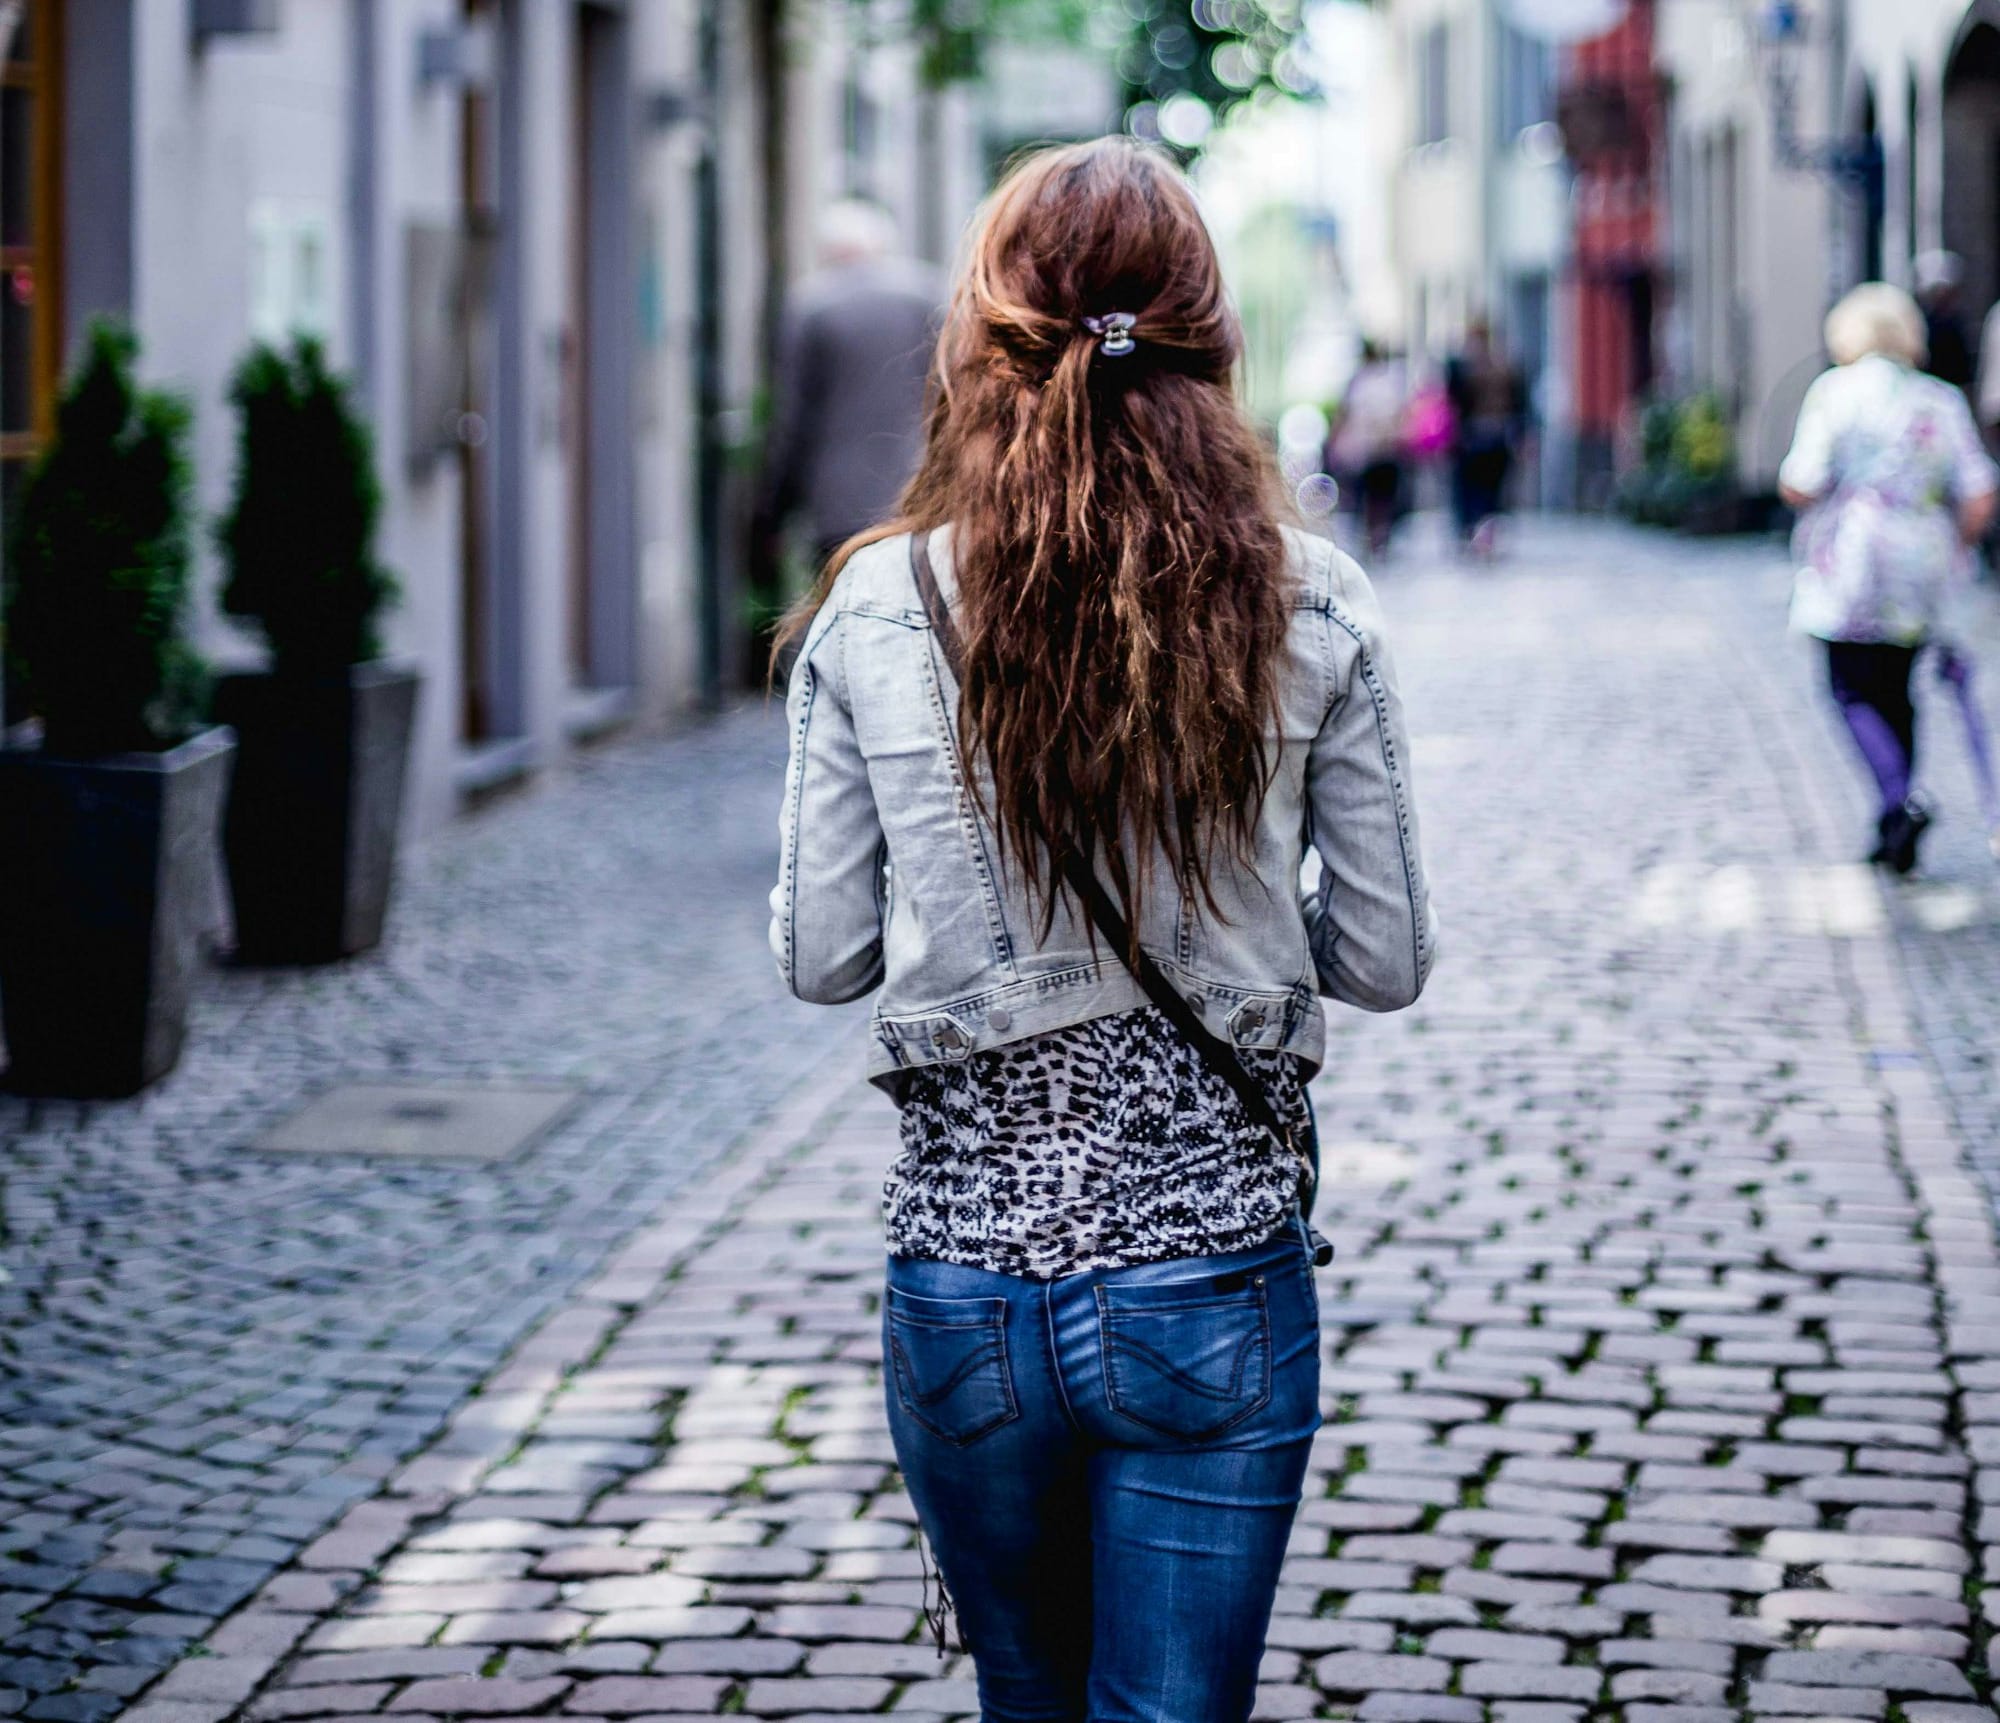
[(1223, 51), (1686, 472), (299, 537), (98, 564), (951, 36)]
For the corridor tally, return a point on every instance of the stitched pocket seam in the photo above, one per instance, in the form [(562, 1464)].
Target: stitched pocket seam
[(991, 1352), (1112, 1346)]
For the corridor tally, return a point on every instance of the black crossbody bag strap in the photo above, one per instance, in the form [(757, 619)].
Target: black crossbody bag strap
[(1116, 932)]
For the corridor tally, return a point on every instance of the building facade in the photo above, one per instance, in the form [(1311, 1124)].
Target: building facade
[(1812, 147), (1727, 171), (1610, 116), (548, 240), (1922, 82), (505, 219), (1748, 228), (1480, 204)]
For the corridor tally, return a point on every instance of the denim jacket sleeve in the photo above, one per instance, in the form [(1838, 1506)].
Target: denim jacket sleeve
[(833, 854), (1369, 920)]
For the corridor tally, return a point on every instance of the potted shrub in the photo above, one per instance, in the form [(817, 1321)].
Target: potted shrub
[(323, 735), (1686, 474), (108, 822)]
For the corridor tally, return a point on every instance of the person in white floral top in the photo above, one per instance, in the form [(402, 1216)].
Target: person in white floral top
[(1893, 488)]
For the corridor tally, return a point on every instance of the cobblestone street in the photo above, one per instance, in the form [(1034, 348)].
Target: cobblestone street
[(1663, 1339)]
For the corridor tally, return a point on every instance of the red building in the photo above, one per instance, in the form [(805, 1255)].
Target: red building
[(1609, 105)]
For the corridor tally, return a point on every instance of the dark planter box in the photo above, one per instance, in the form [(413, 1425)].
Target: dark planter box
[(310, 834), (1713, 516), (105, 894)]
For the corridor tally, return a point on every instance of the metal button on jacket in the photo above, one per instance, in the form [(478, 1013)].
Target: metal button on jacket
[(999, 1019), (1247, 1021)]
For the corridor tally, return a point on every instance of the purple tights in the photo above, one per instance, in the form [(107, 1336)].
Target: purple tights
[(1871, 684)]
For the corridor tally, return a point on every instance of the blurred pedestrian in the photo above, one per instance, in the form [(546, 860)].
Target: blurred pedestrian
[(1428, 430), (1893, 486), (1367, 446), (1947, 340), (1488, 403), (1100, 1328), (848, 393)]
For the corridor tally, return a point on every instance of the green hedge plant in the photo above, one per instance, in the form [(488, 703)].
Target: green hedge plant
[(1686, 473), (98, 565), (299, 537)]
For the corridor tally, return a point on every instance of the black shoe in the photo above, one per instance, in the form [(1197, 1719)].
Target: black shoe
[(1900, 830), (1884, 826)]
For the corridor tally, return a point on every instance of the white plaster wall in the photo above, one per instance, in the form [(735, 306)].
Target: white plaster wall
[(738, 118), (1784, 294), (811, 118), (1438, 230), (962, 172), (1442, 220), (246, 122), (1761, 328), (216, 132), (830, 47), (663, 245), (417, 168), (542, 224)]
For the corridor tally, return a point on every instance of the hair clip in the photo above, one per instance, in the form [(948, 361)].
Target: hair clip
[(1114, 330)]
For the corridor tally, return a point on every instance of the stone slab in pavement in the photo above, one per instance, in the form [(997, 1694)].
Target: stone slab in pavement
[(1663, 1369)]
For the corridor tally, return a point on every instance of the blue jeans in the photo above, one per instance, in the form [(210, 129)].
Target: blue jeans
[(1107, 1467)]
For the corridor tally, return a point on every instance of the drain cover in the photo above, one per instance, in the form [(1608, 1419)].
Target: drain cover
[(419, 1121)]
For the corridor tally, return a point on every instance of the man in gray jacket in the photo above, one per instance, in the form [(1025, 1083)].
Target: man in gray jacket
[(849, 389)]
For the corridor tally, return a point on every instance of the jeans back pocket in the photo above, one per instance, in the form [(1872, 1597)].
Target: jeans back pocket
[(948, 1357), (1185, 1360)]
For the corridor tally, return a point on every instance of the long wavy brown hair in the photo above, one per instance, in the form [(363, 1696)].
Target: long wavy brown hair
[(1122, 587)]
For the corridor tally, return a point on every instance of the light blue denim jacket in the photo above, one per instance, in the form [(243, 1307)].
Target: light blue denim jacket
[(890, 875)]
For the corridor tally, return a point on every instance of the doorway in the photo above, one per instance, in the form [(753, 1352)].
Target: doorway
[(1970, 204), (597, 419), (31, 181), (480, 201), (1867, 200)]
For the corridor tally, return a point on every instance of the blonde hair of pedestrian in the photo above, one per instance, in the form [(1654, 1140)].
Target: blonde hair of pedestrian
[(853, 230), (1124, 591), (1876, 318)]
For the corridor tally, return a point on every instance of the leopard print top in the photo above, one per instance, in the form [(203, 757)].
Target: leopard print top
[(1104, 1145)]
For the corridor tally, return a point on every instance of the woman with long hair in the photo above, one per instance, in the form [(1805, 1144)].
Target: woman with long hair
[(1060, 736)]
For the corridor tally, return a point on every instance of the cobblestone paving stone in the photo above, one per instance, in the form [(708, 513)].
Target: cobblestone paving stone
[(1663, 1343), (1948, 920), (206, 1356)]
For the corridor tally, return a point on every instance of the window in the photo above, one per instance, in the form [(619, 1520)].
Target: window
[(1434, 84), (1528, 328), (31, 334), (1912, 132), (1527, 83)]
